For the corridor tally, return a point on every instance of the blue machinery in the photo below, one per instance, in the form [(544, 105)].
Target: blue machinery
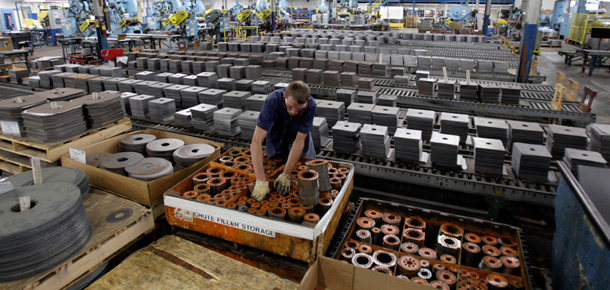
[(458, 14), (123, 16)]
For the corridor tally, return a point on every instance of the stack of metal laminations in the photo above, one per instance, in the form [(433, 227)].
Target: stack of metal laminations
[(444, 149), (226, 84), (211, 66), (125, 102), (408, 145), (190, 96), (176, 79), (53, 174), (117, 162), (386, 116), (16, 75), (485, 66), (244, 85), (154, 64), (438, 62), (203, 116), (421, 74), (331, 78), (561, 137), (360, 113), (489, 93), (346, 96), (188, 155), (158, 89), (531, 161), (348, 79), (525, 132), (136, 143), (143, 88), (142, 62), (346, 137), (424, 62), (446, 90), (208, 80), (235, 99), (162, 110), (255, 102), (261, 87), (469, 92), (453, 64), (422, 120), (184, 118), (58, 79), (510, 95), (313, 76), (492, 128), (489, 156), (163, 77), (150, 168), (46, 78), (380, 69), (247, 123), (367, 97), (298, 74), (425, 87), (139, 105), (366, 84), (62, 94), (187, 66), (402, 80), (500, 67), (455, 124), (575, 157), (375, 141), (128, 85), (351, 66), (467, 64), (387, 100), (10, 110), (600, 139), (54, 121), (226, 121), (319, 133), (101, 108), (397, 71), (164, 148), (113, 83), (96, 85), (237, 72), (145, 76), (198, 67), (331, 110), (336, 65), (211, 97), (174, 92)]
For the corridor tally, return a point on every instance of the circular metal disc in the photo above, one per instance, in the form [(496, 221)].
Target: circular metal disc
[(53, 174), (138, 139), (121, 160), (96, 159), (149, 166), (164, 145), (194, 151)]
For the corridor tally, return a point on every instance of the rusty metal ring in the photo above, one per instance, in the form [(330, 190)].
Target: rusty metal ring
[(241, 160), (490, 263), (374, 214), (344, 170), (246, 152), (277, 213), (334, 193), (439, 285), (234, 152), (382, 269), (241, 203), (335, 183), (510, 252), (491, 251), (452, 230), (384, 258), (415, 223), (261, 212), (229, 163), (409, 265), (496, 280), (362, 260), (489, 240), (365, 223), (220, 202), (231, 205), (427, 253), (340, 176), (311, 217), (352, 244), (366, 249), (424, 263), (296, 214), (326, 201), (471, 248), (388, 229), (203, 197), (511, 265), (293, 201), (448, 259), (332, 171), (409, 248), (420, 280), (303, 167), (347, 253), (190, 194), (244, 167), (214, 171), (201, 178), (391, 218), (438, 267), (391, 242), (473, 238), (507, 242), (446, 277)]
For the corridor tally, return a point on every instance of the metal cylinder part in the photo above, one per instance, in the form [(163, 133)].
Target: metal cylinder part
[(424, 263), (242, 208), (293, 201), (511, 265), (261, 212), (387, 229), (217, 185), (427, 253), (391, 242), (308, 188), (310, 219), (491, 251), (415, 222), (335, 183), (489, 263), (201, 178), (448, 245), (191, 194), (438, 267), (516, 285), (204, 197), (228, 176), (321, 167), (414, 236), (382, 269), (472, 238), (384, 258), (489, 240), (296, 214), (420, 280), (452, 230), (449, 259), (507, 242), (510, 252), (496, 282), (352, 244), (373, 214), (408, 266), (362, 260), (347, 254), (424, 273), (446, 277), (376, 235), (324, 205), (252, 210), (214, 171), (234, 152), (277, 213), (365, 223), (391, 218), (471, 254), (365, 249), (202, 188), (224, 159), (363, 236), (409, 248), (439, 285)]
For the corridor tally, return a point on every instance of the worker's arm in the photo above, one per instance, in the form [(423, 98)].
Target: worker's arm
[(295, 152), (256, 151)]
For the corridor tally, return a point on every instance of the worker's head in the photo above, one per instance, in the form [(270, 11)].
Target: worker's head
[(297, 96)]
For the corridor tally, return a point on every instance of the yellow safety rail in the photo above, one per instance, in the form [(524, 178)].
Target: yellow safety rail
[(240, 32), (581, 24)]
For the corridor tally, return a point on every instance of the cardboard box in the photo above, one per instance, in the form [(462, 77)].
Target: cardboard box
[(148, 193), (327, 273)]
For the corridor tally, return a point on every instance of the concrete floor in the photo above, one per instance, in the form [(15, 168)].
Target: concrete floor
[(549, 62)]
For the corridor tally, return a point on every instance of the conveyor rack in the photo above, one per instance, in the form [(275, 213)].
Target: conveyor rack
[(445, 44), (503, 188)]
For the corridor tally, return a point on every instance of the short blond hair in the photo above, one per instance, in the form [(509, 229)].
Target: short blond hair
[(299, 91)]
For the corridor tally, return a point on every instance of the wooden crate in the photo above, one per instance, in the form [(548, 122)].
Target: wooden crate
[(283, 238), (175, 263), (107, 240), (52, 152)]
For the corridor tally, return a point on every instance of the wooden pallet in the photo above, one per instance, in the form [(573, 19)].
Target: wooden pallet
[(107, 240), (52, 152)]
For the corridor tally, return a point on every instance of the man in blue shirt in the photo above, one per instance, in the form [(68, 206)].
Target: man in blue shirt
[(285, 123)]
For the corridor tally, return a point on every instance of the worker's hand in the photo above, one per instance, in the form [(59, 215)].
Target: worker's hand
[(282, 184), (261, 189)]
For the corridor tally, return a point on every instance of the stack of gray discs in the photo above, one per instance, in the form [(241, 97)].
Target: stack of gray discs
[(54, 121), (95, 159), (162, 110), (150, 168), (117, 162), (136, 143), (164, 148), (188, 155), (37, 239), (203, 116), (50, 174)]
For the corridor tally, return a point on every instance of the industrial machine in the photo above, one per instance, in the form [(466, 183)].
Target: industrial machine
[(217, 21), (161, 11), (123, 16), (79, 19), (458, 17)]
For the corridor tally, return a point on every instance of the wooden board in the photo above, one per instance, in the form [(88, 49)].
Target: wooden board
[(52, 152), (175, 263), (107, 239)]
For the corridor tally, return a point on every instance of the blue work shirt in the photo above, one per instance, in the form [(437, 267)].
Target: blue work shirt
[(281, 128)]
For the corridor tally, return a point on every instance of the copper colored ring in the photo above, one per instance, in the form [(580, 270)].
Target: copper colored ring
[(293, 201), (251, 210), (285, 205), (224, 159), (201, 178), (203, 197), (365, 223), (246, 152), (234, 152), (473, 238), (489, 240), (311, 217), (373, 214), (232, 205), (376, 231), (452, 230), (391, 241), (332, 171), (497, 280), (240, 202), (511, 264), (382, 269), (335, 183), (391, 218), (409, 248), (516, 284), (217, 182), (366, 249), (228, 175), (334, 193), (347, 253), (303, 167), (507, 242), (308, 175), (277, 213), (326, 201), (390, 230), (448, 259), (438, 267), (229, 163), (424, 263), (439, 285), (241, 160), (384, 258), (294, 172), (256, 205), (362, 260), (492, 262), (427, 253), (352, 244), (265, 207), (446, 277), (190, 194), (244, 167), (409, 265), (250, 201), (340, 176), (419, 280), (510, 252), (264, 202), (415, 223), (453, 269), (344, 170), (296, 214), (214, 171), (318, 162), (308, 209), (261, 212), (491, 251), (471, 248), (220, 202)]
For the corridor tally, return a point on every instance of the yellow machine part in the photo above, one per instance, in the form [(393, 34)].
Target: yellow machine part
[(224, 11), (42, 15), (264, 14), (179, 17), (244, 15), (208, 12), (85, 25), (167, 21)]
